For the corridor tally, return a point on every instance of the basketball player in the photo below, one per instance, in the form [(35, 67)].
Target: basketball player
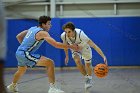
[(31, 40), (72, 35), (2, 47)]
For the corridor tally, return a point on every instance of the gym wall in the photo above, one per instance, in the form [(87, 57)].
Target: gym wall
[(118, 37)]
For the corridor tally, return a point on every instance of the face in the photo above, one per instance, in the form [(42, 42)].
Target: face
[(69, 32), (47, 26)]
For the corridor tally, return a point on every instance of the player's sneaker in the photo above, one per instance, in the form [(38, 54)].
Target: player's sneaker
[(13, 88), (88, 83), (54, 89)]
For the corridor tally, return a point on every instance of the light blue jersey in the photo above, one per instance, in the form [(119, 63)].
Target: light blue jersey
[(25, 52)]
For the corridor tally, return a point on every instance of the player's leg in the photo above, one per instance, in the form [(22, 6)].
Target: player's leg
[(88, 66), (20, 72), (22, 67), (89, 82), (87, 56), (49, 64), (79, 64)]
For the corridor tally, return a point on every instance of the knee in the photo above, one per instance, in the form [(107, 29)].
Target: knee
[(50, 63), (78, 62), (21, 71), (88, 65)]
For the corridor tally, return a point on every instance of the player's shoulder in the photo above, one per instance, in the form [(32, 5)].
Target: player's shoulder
[(42, 33), (63, 34), (33, 28), (78, 30)]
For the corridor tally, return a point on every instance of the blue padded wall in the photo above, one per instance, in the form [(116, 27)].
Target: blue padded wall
[(118, 37)]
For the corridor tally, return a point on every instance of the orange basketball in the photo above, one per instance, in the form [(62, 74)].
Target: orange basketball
[(101, 70)]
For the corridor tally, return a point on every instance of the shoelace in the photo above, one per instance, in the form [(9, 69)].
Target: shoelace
[(15, 88), (55, 87), (88, 81)]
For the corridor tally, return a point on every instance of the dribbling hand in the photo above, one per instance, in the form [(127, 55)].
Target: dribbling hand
[(105, 60)]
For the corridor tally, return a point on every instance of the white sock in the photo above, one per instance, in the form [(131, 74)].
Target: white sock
[(90, 77), (14, 84), (86, 76)]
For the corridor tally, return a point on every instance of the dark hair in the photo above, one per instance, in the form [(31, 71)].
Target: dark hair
[(69, 25), (43, 20)]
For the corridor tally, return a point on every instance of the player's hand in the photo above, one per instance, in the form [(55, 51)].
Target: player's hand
[(79, 47), (66, 60), (74, 47), (105, 60)]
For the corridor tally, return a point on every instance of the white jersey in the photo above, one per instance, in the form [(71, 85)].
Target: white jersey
[(81, 39)]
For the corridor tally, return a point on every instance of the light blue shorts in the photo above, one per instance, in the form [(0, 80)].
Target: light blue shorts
[(27, 59)]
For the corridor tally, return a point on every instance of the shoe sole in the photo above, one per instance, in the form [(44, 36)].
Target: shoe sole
[(12, 91), (87, 89)]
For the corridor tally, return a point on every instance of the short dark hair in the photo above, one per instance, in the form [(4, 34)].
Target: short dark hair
[(43, 20), (69, 25)]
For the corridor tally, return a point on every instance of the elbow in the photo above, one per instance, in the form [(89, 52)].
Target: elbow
[(18, 38)]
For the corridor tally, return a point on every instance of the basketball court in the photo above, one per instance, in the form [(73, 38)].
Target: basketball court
[(119, 80)]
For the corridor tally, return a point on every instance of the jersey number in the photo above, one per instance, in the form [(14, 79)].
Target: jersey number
[(28, 34)]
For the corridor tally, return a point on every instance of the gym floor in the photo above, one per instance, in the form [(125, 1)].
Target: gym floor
[(119, 80)]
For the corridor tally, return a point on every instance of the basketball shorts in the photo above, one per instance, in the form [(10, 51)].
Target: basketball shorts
[(85, 54), (27, 59)]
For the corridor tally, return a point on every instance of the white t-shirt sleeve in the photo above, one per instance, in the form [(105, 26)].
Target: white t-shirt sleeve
[(84, 37), (63, 37)]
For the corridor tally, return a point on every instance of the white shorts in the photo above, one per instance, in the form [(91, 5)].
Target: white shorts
[(85, 54)]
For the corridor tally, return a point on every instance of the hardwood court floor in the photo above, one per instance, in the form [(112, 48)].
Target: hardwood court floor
[(119, 80)]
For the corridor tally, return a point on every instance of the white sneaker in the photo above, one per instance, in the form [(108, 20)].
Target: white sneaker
[(13, 88), (88, 83), (55, 90)]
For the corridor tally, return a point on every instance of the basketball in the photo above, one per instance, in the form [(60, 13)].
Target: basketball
[(101, 70)]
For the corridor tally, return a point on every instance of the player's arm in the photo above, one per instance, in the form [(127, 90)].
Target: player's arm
[(56, 44), (64, 41), (66, 52), (67, 56), (93, 45), (21, 35), (44, 35)]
